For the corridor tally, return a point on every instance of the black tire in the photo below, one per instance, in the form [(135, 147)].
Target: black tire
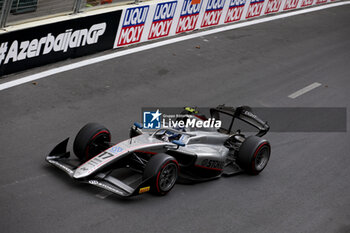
[(254, 154), (91, 140), (162, 169)]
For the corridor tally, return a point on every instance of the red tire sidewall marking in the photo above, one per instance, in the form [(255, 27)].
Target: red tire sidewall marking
[(256, 153), (157, 184)]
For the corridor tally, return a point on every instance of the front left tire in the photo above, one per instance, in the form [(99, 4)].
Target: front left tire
[(91, 140)]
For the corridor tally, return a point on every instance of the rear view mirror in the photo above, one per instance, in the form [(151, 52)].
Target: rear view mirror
[(138, 125)]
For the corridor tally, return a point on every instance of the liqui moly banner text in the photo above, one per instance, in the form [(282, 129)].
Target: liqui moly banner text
[(162, 20), (152, 20), (188, 16)]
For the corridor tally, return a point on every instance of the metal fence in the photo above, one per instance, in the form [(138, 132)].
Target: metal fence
[(19, 11)]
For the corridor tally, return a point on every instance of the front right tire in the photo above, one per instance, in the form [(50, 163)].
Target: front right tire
[(162, 169)]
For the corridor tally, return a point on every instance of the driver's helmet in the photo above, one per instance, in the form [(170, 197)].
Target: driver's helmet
[(169, 136)]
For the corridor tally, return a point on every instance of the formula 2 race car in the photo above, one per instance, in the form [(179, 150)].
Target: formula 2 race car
[(155, 160)]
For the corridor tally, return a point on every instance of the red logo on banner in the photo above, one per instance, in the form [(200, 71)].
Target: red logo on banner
[(235, 11), (306, 3), (213, 13), (255, 8), (290, 4), (163, 17), (133, 24), (160, 29), (188, 17), (273, 6)]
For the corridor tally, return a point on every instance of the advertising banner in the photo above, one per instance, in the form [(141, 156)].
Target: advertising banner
[(146, 21), (23, 49), (152, 20)]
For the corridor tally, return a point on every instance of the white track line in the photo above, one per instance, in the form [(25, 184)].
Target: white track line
[(304, 90), (116, 54)]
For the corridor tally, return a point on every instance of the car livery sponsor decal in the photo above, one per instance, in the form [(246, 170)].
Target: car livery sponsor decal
[(235, 10), (144, 189), (320, 1), (273, 6), (112, 153), (64, 168), (306, 3), (290, 4), (133, 25), (213, 13), (116, 149), (189, 16), (255, 8), (102, 158), (104, 186), (162, 20), (212, 164)]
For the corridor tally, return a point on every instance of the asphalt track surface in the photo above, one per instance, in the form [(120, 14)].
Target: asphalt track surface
[(304, 188)]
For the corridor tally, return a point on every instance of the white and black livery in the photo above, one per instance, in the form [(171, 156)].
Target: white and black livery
[(153, 161)]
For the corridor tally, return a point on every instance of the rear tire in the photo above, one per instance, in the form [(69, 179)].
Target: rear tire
[(162, 169), (254, 154), (91, 140)]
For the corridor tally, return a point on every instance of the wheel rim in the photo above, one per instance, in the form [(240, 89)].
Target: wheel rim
[(262, 158), (167, 177)]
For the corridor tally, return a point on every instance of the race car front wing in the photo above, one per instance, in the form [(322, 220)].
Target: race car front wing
[(60, 158)]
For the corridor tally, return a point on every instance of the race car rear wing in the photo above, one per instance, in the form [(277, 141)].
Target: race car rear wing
[(243, 113)]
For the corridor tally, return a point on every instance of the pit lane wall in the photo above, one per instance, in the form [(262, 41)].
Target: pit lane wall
[(127, 25)]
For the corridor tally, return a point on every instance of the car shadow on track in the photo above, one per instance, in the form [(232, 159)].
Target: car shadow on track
[(103, 195)]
